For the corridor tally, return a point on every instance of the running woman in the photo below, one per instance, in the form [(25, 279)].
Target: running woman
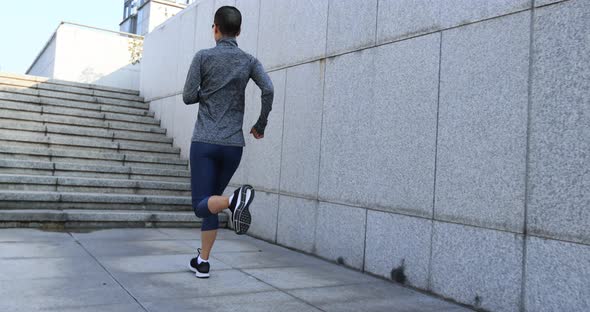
[(217, 80)]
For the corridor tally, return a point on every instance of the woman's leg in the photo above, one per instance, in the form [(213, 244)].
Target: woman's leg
[(231, 160), (204, 175), (229, 164), (214, 165)]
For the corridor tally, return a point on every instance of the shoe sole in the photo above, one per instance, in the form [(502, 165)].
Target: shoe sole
[(197, 273), (241, 217)]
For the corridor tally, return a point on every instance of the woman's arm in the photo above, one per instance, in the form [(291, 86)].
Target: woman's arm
[(263, 81), (192, 86)]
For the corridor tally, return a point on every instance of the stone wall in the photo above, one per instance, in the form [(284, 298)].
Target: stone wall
[(44, 65), (444, 144), (88, 55)]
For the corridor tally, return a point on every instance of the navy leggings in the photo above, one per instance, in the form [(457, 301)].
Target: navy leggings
[(212, 166)]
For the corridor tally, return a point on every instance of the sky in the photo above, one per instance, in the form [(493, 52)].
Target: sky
[(27, 25)]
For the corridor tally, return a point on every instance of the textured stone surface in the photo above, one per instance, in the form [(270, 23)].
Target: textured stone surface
[(248, 39), (539, 3), (74, 292), (459, 12), (247, 275), (481, 156), (38, 267), (228, 245), (240, 176), (185, 48), (340, 234), (39, 180), (280, 17), (121, 234), (35, 215), (476, 266), (302, 130), (559, 177), (41, 249), (262, 158), (220, 3), (155, 263), (557, 276), (203, 34), (9, 163), (132, 216), (60, 83), (101, 198), (29, 196), (379, 123), (308, 276), (195, 233), (126, 248), (68, 167), (264, 211), (407, 18), (399, 19), (398, 244), (119, 307), (344, 35), (377, 296), (268, 259), (179, 122), (159, 49), (297, 222), (254, 302), (102, 217), (19, 235), (155, 287)]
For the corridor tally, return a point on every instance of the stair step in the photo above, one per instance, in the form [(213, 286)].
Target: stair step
[(24, 84), (49, 154), (48, 84), (46, 80), (72, 200), (29, 97), (84, 131), (87, 218), (46, 94), (83, 122), (75, 112), (9, 166), (86, 185), (96, 141), (36, 139), (83, 155)]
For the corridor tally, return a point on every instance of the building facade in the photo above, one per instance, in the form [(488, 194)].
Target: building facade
[(142, 16)]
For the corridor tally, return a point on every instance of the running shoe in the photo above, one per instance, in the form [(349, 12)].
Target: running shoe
[(201, 270), (239, 206)]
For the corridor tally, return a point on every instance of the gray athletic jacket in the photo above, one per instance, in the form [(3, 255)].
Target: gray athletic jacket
[(217, 80)]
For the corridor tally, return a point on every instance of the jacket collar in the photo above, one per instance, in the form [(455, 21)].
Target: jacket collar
[(227, 41)]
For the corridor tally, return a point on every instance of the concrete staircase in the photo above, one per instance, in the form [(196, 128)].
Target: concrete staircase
[(81, 155)]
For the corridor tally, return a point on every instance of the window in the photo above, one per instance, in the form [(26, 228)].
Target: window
[(186, 2), (131, 7)]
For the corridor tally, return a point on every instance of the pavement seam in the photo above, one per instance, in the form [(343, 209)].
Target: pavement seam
[(283, 291), (213, 296), (108, 272)]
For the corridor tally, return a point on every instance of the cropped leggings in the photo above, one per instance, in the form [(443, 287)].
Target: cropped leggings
[(212, 166)]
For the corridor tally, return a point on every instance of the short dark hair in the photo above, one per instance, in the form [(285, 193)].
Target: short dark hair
[(229, 20)]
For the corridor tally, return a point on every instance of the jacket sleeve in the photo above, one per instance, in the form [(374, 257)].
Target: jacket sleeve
[(192, 86), (263, 81)]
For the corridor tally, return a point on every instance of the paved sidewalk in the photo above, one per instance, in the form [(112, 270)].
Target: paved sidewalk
[(146, 270)]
